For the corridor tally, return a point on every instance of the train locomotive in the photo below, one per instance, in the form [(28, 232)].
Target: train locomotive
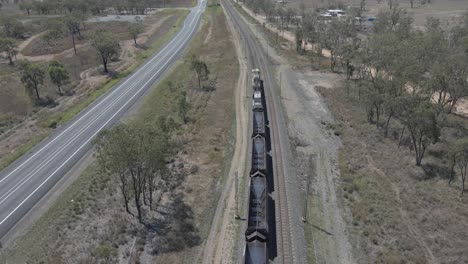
[(256, 235)]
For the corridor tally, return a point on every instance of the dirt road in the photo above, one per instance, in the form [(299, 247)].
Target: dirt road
[(316, 151), (223, 233)]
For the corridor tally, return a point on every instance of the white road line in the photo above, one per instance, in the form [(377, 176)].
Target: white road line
[(112, 117)]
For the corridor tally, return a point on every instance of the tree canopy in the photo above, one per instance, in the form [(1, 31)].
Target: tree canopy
[(135, 154), (32, 76), (58, 74), (8, 46), (106, 45)]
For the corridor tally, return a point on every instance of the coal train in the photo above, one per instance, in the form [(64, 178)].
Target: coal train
[(256, 235)]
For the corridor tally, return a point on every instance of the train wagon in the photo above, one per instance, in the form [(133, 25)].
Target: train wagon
[(256, 253), (257, 224), (258, 124), (256, 234), (258, 155), (257, 82), (258, 115), (257, 103)]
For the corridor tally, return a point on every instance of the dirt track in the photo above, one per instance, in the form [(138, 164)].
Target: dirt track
[(221, 239)]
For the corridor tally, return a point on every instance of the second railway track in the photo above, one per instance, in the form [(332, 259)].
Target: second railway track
[(258, 59)]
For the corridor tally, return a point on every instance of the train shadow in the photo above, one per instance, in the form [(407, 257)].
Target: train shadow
[(270, 181), (267, 139), (265, 109), (272, 243)]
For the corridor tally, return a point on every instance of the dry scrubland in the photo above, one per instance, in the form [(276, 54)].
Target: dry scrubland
[(398, 212), (442, 9), (88, 223), (395, 212), (22, 123)]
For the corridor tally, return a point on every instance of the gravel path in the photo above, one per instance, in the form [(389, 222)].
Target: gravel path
[(223, 233), (316, 155)]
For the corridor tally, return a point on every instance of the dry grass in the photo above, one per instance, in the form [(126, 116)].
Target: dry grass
[(18, 109), (400, 213), (209, 136), (41, 47), (94, 226), (443, 9)]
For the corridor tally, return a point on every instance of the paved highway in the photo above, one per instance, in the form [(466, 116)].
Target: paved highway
[(27, 180)]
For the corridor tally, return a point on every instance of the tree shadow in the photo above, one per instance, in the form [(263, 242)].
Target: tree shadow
[(321, 229), (432, 170), (175, 229)]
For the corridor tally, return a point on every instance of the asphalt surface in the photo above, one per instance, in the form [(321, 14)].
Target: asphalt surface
[(28, 179), (282, 247)]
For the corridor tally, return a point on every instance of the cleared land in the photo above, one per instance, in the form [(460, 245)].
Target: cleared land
[(88, 222)]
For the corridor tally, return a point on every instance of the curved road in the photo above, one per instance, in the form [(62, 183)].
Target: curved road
[(27, 180)]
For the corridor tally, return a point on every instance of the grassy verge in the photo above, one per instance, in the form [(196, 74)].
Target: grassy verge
[(61, 118), (64, 213), (22, 150), (160, 42), (217, 113)]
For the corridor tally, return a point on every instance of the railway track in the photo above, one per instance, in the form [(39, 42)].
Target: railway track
[(258, 59)]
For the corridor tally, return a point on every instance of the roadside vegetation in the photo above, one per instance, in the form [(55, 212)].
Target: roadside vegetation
[(150, 194), (55, 63)]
